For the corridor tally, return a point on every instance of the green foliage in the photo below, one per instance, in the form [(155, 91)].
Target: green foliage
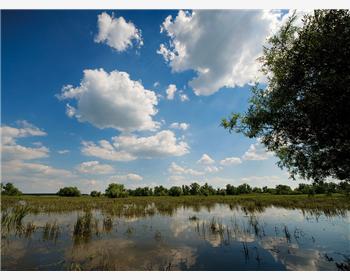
[(302, 114), (69, 191), (283, 189), (194, 188), (116, 190), (9, 189), (175, 191), (160, 191), (95, 194), (146, 191)]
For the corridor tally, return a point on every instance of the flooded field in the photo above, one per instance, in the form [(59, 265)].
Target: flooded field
[(219, 236)]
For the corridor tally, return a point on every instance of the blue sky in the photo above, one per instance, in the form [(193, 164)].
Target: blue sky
[(93, 97)]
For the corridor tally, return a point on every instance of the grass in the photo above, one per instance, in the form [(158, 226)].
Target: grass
[(148, 206)]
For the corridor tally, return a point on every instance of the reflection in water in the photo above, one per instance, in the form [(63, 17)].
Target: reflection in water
[(209, 237)]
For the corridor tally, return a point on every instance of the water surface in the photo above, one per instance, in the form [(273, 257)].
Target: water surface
[(187, 238)]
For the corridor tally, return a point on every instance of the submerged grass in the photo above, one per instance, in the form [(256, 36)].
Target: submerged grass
[(331, 205)]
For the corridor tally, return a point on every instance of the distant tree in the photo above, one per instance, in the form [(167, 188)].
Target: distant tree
[(283, 189), (160, 191), (10, 189), (265, 189), (186, 190), (256, 190), (244, 188), (175, 191), (115, 190), (69, 191), (231, 190), (146, 191), (207, 190), (194, 188), (95, 194), (221, 192), (302, 115)]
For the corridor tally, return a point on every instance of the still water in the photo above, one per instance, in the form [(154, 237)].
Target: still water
[(201, 238)]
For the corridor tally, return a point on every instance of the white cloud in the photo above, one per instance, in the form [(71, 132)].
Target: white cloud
[(231, 161), (221, 46), (130, 147), (183, 126), (184, 97), (212, 169), (10, 150), (112, 100), (94, 167), (18, 152), (257, 151), (10, 134), (156, 84), (62, 152), (117, 33), (205, 159), (179, 170), (128, 177), (170, 91)]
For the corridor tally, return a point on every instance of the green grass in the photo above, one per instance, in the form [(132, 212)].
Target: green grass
[(167, 205)]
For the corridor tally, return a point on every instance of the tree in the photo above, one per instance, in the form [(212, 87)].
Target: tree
[(244, 188), (302, 114), (116, 190), (9, 189), (160, 191), (194, 188), (95, 194), (283, 189), (175, 191), (231, 190), (69, 191), (206, 190)]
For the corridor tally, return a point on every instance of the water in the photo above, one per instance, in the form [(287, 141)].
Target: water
[(201, 238)]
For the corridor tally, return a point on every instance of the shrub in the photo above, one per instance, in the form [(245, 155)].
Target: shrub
[(95, 194), (69, 191)]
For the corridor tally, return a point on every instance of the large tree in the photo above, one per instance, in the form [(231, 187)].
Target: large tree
[(303, 113)]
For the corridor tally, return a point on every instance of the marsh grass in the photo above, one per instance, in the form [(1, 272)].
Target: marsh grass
[(149, 206), (107, 224), (84, 227), (51, 231)]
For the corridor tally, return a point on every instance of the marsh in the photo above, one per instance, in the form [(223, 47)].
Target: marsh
[(177, 235)]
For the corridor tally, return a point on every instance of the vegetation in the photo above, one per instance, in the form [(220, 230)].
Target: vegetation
[(69, 191), (302, 114), (9, 189), (95, 194), (116, 190)]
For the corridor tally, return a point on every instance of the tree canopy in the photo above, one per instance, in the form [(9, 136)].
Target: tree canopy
[(69, 191), (302, 114), (116, 190), (9, 189)]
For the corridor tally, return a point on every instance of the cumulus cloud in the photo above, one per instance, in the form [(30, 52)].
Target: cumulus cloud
[(179, 170), (94, 167), (130, 147), (112, 100), (257, 151), (117, 32), (10, 150), (231, 161), (205, 159), (183, 126), (170, 91), (221, 46)]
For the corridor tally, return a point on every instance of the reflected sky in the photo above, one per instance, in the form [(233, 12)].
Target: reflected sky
[(200, 238)]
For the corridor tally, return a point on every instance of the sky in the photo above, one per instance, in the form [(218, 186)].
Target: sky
[(136, 97)]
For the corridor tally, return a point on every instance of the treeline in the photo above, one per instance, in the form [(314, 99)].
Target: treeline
[(115, 190)]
